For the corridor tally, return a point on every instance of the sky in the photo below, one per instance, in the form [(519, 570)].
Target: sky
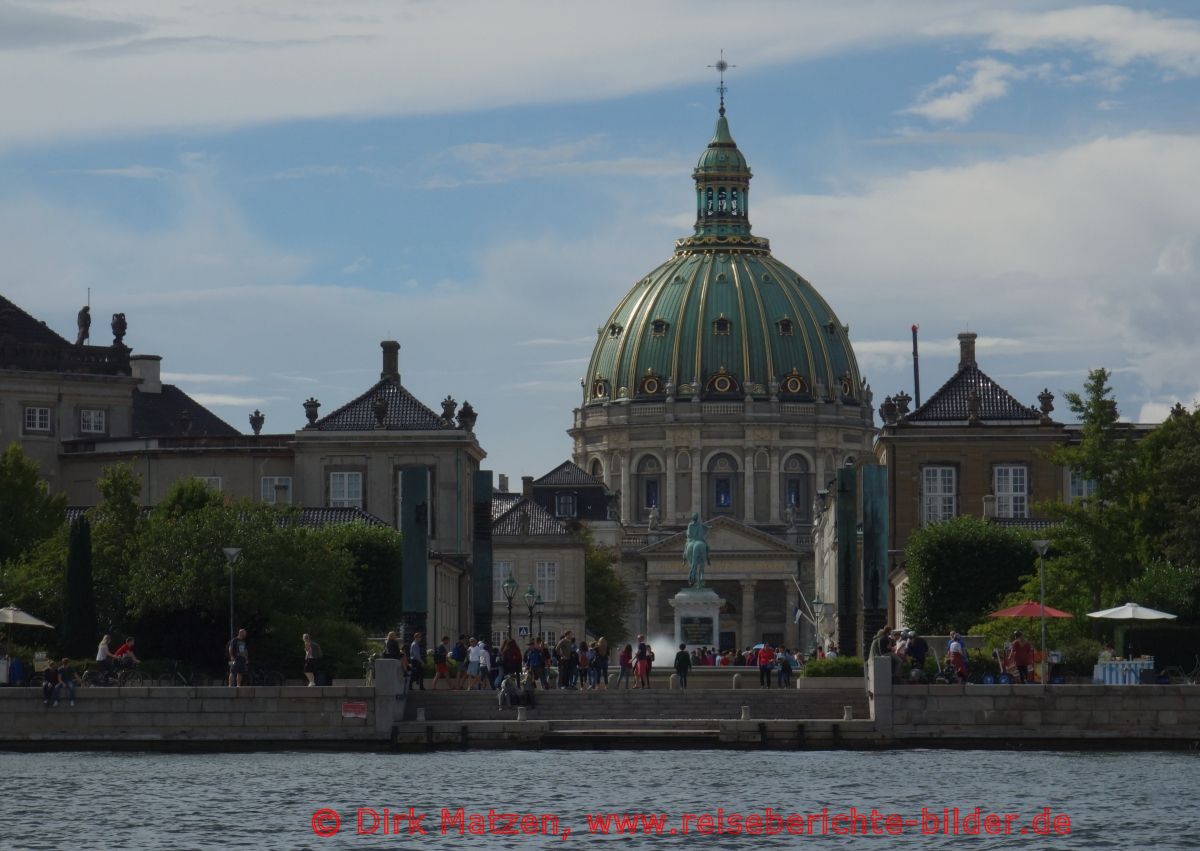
[(267, 190)]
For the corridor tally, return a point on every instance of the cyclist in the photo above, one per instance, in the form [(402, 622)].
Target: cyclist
[(125, 656), (105, 659)]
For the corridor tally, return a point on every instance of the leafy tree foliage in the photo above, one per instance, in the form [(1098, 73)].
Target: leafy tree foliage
[(1170, 470), (606, 596), (378, 555), (29, 513), (958, 569), (116, 528), (79, 597)]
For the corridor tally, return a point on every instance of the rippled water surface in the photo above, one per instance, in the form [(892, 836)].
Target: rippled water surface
[(267, 800)]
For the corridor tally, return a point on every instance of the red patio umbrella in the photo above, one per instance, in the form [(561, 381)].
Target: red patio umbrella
[(1029, 609)]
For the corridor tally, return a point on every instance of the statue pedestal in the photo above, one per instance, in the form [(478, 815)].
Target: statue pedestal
[(697, 617)]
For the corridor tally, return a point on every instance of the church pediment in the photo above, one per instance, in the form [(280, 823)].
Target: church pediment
[(727, 537)]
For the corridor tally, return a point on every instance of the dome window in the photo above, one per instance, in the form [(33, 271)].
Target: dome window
[(599, 388), (794, 384), (722, 327), (722, 382), (785, 327), (615, 330), (658, 327), (651, 385)]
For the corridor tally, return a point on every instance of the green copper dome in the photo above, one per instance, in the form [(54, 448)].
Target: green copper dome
[(722, 319)]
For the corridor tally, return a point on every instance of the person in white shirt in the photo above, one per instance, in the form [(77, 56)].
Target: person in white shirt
[(104, 655), (474, 657)]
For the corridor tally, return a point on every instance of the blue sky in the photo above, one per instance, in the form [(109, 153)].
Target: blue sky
[(267, 190)]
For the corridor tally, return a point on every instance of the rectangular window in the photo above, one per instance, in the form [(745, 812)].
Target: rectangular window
[(1012, 493), (211, 482), (651, 493), (37, 419), (551, 638), (345, 490), (92, 421), (564, 505), (723, 492), (501, 570), (1080, 488), (268, 489), (938, 494), (547, 581)]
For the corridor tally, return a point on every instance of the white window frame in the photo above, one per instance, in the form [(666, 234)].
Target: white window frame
[(268, 488), (550, 637), (939, 493), (37, 419), (93, 421), (565, 505), (501, 570), (211, 482), (1078, 487), (1010, 484), (349, 484), (547, 580)]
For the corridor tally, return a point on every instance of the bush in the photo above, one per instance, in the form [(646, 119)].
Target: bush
[(841, 666)]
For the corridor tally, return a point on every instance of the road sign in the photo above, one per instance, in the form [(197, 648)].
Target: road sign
[(522, 632)]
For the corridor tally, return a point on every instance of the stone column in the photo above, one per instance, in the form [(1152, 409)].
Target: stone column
[(749, 634), (668, 509), (627, 496), (748, 485), (697, 475), (791, 630), (652, 604), (776, 515)]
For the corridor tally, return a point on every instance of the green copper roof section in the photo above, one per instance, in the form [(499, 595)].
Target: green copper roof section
[(722, 318)]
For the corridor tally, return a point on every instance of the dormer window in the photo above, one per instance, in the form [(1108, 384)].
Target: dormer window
[(785, 327), (658, 328), (615, 330), (722, 327)]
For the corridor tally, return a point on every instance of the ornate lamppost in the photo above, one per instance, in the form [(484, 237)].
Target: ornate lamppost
[(510, 588), (1040, 547), (232, 554), (540, 605), (531, 596)]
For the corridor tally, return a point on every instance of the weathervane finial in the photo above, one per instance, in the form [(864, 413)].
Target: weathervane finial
[(722, 66)]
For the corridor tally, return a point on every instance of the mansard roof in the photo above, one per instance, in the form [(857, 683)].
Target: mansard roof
[(522, 511), (952, 401), (173, 413), (569, 474), (404, 412)]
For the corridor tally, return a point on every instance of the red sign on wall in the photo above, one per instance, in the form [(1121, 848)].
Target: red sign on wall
[(354, 709)]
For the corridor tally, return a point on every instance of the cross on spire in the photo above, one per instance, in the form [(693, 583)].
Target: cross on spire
[(722, 66)]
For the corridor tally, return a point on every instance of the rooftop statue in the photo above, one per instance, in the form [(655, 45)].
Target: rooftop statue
[(84, 321), (695, 551)]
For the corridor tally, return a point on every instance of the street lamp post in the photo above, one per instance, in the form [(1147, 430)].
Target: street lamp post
[(540, 605), (510, 588), (531, 596), (232, 554), (1040, 547)]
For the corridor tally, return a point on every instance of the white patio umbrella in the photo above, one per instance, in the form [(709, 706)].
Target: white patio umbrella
[(1132, 612), (13, 616)]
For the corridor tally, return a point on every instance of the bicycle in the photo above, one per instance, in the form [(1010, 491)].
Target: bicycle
[(257, 676), (368, 666), (175, 675), (103, 678), (1177, 676)]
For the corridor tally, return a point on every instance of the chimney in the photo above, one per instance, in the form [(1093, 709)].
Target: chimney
[(503, 483), (146, 367), (966, 349), (391, 360), (526, 485)]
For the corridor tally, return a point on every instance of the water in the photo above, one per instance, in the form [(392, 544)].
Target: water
[(267, 800)]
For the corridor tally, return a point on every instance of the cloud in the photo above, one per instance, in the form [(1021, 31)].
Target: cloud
[(227, 400), (489, 162), (205, 377), (955, 97), (360, 264), (25, 28), (134, 172)]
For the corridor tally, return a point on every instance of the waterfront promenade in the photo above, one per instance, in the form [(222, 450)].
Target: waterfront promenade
[(852, 713)]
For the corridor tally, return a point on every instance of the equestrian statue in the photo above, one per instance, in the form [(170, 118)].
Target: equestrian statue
[(695, 551)]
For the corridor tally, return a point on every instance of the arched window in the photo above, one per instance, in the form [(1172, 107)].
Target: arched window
[(797, 487), (722, 483), (734, 207), (649, 486), (597, 468)]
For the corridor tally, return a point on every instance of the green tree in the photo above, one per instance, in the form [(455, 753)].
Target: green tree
[(1169, 463), (1097, 542), (378, 556), (959, 569), (605, 593), (79, 599), (116, 537), (29, 513)]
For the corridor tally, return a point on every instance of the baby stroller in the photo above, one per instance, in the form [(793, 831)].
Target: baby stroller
[(511, 694)]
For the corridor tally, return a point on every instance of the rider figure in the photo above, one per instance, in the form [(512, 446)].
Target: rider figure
[(124, 654), (695, 552)]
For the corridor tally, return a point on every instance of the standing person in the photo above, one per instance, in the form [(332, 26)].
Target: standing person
[(312, 653), (416, 662), (918, 649), (565, 655), (510, 658), (1022, 656), (441, 664), (70, 679), (585, 666), (239, 658), (683, 664), (391, 646), (485, 665), (766, 658), (474, 657), (625, 661), (459, 655), (784, 660), (602, 662), (641, 663)]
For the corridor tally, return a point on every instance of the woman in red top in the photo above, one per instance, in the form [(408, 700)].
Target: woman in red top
[(625, 660), (766, 659)]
